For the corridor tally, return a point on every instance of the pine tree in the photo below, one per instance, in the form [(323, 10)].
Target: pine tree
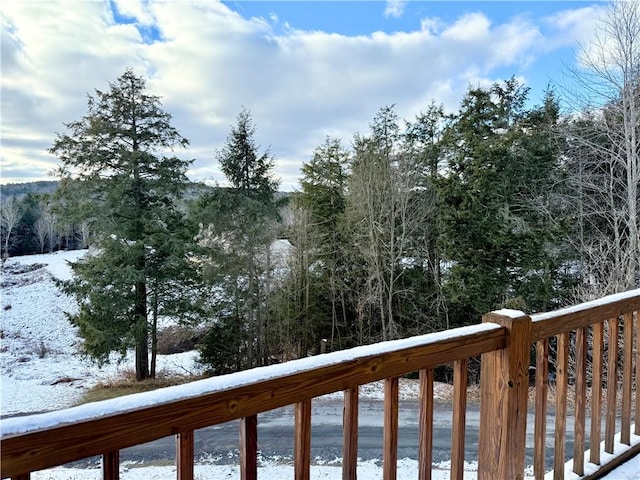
[(322, 203), (239, 225), (114, 158), (247, 171), (502, 162)]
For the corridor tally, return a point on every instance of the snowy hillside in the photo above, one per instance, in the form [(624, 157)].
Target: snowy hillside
[(41, 367)]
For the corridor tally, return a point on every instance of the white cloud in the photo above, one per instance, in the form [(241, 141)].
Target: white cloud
[(394, 8), (573, 27), (135, 9), (211, 61)]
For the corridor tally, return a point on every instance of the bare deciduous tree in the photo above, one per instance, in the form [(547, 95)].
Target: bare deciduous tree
[(389, 215), (606, 145), (9, 216)]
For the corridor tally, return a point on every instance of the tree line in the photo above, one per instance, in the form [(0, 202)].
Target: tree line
[(418, 225)]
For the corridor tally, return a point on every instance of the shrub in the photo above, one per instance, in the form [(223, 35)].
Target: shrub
[(178, 339)]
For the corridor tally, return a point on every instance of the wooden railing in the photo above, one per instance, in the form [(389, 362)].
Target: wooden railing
[(594, 347), (504, 341), (560, 340)]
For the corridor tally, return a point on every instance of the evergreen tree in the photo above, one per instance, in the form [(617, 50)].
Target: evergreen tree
[(323, 196), (238, 227), (500, 247), (113, 157), (248, 172)]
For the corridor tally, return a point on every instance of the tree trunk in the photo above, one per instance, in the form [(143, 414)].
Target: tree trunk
[(154, 335), (142, 332)]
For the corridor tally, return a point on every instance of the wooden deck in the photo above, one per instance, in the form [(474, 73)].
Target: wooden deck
[(508, 342)]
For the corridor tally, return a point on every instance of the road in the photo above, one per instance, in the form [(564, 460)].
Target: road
[(219, 444)]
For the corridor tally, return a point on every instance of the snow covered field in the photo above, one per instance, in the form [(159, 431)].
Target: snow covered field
[(41, 369)]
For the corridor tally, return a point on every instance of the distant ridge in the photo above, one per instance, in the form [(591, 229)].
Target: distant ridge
[(22, 189), (49, 186)]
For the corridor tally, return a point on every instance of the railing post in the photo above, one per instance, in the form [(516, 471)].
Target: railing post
[(504, 383), (249, 448), (111, 465), (302, 440), (184, 453)]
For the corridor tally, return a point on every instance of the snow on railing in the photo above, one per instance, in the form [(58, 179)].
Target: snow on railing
[(504, 340)]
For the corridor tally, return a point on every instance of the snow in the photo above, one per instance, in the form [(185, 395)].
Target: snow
[(587, 305), (41, 370), (41, 367), (627, 471), (221, 383), (508, 312), (268, 469)]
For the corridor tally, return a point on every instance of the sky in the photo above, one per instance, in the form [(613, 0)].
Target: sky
[(305, 70)]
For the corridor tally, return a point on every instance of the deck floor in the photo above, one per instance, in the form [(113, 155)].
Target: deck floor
[(627, 471)]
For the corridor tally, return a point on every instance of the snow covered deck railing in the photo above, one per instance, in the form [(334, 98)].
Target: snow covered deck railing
[(104, 428), (560, 341), (505, 339)]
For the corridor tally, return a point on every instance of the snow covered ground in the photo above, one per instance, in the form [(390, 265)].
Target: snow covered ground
[(41, 369)]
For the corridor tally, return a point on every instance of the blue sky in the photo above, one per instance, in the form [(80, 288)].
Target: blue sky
[(304, 69)]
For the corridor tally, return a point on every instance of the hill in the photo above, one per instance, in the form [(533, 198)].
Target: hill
[(21, 189)]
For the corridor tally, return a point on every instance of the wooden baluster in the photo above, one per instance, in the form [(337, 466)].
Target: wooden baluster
[(302, 440), (460, 373), (540, 425), (184, 455), (390, 430), (637, 331), (111, 466), (350, 434), (425, 428), (580, 405), (596, 393), (627, 379), (612, 387), (561, 405), (249, 448)]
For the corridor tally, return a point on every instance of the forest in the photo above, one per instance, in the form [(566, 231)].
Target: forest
[(417, 225)]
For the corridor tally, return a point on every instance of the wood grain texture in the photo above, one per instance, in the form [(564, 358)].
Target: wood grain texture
[(627, 378), (55, 446), (185, 455), (249, 448), (580, 401), (425, 427), (612, 387), (567, 322), (540, 421), (504, 384), (111, 466), (350, 434), (460, 374), (562, 380), (595, 436), (390, 429), (302, 440)]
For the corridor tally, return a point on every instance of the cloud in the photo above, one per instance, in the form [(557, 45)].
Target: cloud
[(208, 61), (394, 8)]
